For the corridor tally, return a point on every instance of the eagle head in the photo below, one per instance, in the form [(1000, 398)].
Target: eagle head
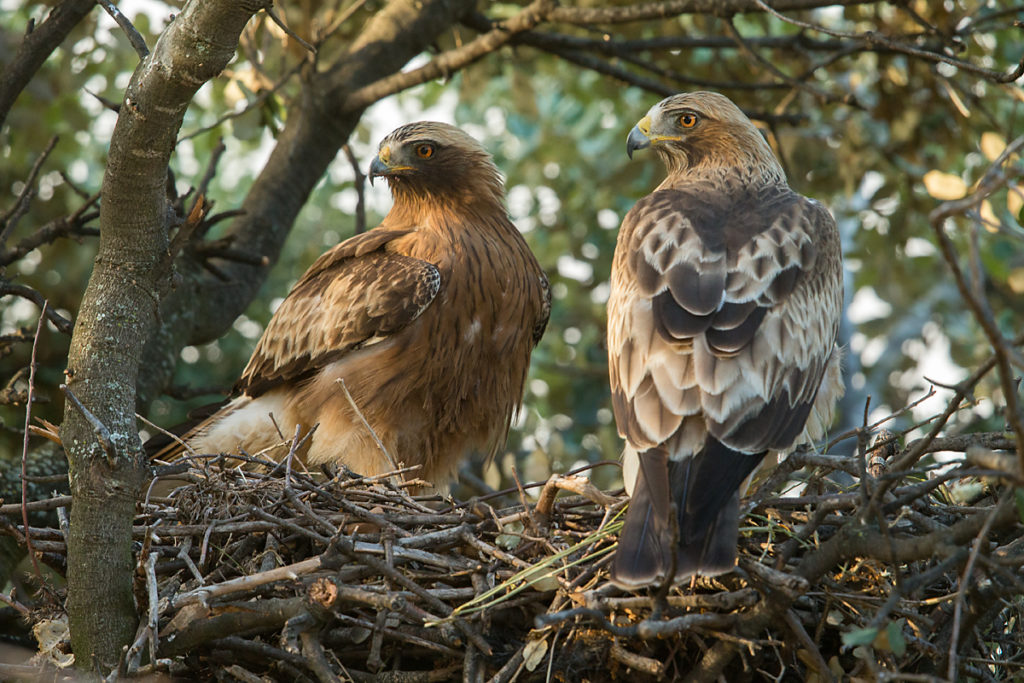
[(702, 129), (438, 160)]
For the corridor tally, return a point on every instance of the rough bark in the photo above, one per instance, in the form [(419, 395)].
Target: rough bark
[(318, 125), (116, 317)]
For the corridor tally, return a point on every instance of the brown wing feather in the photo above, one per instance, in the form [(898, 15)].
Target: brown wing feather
[(354, 295)]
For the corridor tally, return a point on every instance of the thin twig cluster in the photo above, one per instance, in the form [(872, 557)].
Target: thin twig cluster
[(847, 568)]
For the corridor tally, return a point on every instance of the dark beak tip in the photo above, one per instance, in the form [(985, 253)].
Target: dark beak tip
[(377, 168), (637, 140)]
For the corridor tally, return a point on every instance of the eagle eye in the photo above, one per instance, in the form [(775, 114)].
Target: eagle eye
[(424, 151), (688, 120)]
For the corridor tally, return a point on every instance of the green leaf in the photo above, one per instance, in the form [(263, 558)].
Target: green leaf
[(897, 643), (860, 636)]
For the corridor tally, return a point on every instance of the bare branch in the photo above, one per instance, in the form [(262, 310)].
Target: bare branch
[(269, 9), (360, 185), (98, 428), (37, 46), (672, 8), (874, 38), (24, 447), (258, 101), (450, 62), (73, 224), (1006, 356), (11, 217), (134, 37), (845, 98), (60, 322)]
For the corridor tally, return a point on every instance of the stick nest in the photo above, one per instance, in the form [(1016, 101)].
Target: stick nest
[(878, 567)]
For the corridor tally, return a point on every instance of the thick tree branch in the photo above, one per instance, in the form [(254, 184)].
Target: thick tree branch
[(452, 61), (116, 315), (36, 47), (673, 8)]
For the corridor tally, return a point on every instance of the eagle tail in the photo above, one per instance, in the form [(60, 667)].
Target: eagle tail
[(646, 544), (167, 445), (683, 517)]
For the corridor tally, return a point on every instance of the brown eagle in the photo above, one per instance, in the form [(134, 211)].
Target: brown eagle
[(425, 323), (726, 294)]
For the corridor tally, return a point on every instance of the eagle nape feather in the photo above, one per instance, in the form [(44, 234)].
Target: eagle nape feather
[(687, 508)]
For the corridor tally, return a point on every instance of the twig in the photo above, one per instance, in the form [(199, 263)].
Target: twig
[(148, 629), (647, 629), (98, 428), (14, 604), (752, 55), (13, 509), (10, 218), (62, 324), (316, 659), (269, 9), (642, 11), (347, 548), (360, 184), (376, 439), (965, 580), (873, 37), (339, 21), (257, 101), (73, 224), (244, 583), (1004, 353), (651, 667), (24, 446), (134, 37)]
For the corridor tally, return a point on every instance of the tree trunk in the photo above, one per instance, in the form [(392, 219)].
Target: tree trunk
[(107, 467)]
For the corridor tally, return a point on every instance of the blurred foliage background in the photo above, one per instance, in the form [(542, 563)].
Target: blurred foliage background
[(858, 129)]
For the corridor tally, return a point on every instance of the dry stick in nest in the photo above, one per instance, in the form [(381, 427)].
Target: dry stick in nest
[(851, 541), (965, 579), (376, 439), (346, 547), (148, 630)]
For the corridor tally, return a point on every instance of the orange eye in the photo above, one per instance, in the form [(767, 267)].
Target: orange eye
[(688, 120), (425, 151)]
